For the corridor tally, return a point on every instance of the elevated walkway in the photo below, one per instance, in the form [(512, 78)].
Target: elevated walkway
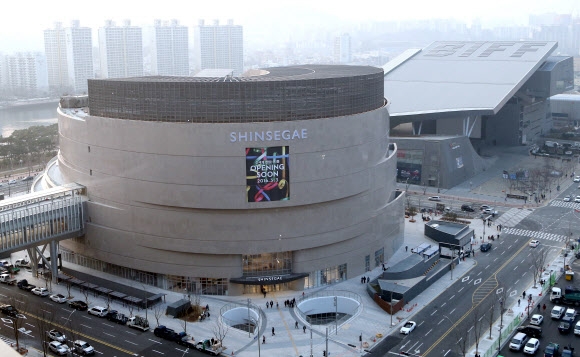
[(42, 218)]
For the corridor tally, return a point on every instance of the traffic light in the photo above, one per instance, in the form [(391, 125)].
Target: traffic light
[(360, 338), (324, 353)]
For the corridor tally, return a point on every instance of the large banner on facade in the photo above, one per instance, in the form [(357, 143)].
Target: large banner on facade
[(267, 174)]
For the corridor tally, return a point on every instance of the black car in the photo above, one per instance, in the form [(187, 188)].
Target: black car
[(564, 327), (467, 208), (186, 341), (79, 305), (117, 317), (485, 247), (165, 333), (531, 330)]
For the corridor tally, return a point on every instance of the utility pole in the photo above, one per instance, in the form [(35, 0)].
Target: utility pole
[(327, 354), (311, 354)]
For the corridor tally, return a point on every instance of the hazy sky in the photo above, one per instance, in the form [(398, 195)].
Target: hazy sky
[(22, 21)]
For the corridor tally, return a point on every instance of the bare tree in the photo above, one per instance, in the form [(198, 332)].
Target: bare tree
[(44, 322), (85, 292), (47, 279), (220, 330), (68, 287), (538, 261), (491, 314), (109, 300), (461, 337), (20, 305), (131, 308), (477, 314), (157, 312), (502, 298)]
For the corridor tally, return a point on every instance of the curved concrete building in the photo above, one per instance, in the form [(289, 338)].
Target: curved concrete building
[(280, 180)]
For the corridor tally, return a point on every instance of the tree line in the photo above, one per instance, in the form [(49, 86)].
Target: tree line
[(28, 147)]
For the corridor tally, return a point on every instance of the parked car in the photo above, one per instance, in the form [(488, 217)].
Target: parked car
[(59, 348), (59, 298), (536, 319), (577, 179), (568, 351), (56, 335), (570, 315), (408, 327), (564, 327), (467, 208), (567, 198), (518, 341), (167, 333), (83, 348), (532, 346), (40, 292), (577, 199), (577, 329), (78, 305), (557, 312), (484, 247), (530, 330), (434, 198), (491, 211), (482, 207), (534, 243), (98, 311)]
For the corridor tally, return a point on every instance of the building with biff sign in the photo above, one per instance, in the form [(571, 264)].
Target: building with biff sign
[(280, 179)]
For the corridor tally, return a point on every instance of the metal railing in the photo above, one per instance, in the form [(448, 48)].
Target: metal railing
[(334, 325)]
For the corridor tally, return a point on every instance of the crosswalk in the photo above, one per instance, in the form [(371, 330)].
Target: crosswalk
[(512, 217), (558, 203), (534, 234)]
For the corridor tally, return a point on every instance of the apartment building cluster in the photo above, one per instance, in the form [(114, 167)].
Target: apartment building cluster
[(70, 57)]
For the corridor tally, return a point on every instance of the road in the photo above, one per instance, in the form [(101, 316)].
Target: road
[(505, 271), (108, 339)]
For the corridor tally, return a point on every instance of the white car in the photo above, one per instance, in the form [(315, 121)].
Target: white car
[(59, 298), (570, 315), (577, 329), (83, 347), (577, 199), (40, 291), (489, 211), (59, 348), (532, 346), (484, 207), (55, 335), (536, 320), (98, 311), (534, 243), (408, 327), (568, 198), (577, 179), (434, 198), (557, 312)]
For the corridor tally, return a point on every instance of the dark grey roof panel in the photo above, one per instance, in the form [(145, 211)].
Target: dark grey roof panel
[(463, 76)]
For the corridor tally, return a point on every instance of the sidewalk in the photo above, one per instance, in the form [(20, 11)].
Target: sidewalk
[(371, 322)]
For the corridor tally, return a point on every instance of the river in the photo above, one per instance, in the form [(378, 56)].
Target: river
[(22, 117)]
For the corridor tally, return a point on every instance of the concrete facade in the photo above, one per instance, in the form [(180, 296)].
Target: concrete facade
[(171, 198)]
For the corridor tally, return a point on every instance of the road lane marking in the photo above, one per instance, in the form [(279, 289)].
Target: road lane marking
[(495, 259), (460, 289), (108, 334), (440, 322), (133, 343), (443, 304), (451, 311), (154, 341), (85, 326), (434, 312), (451, 298), (494, 276), (161, 352), (487, 266), (132, 333), (107, 324)]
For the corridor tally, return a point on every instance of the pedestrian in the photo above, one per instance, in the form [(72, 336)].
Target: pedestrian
[(304, 328), (498, 236), (524, 294), (544, 307), (207, 307), (518, 302), (368, 279), (267, 304), (264, 291), (277, 305), (273, 333), (539, 307), (406, 248), (296, 323), (271, 303), (263, 340)]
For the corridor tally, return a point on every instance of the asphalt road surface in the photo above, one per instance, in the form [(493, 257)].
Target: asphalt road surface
[(108, 339)]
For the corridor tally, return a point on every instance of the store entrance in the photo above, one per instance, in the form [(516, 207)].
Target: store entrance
[(258, 289)]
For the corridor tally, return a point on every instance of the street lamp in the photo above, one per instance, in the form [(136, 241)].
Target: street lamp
[(257, 322)]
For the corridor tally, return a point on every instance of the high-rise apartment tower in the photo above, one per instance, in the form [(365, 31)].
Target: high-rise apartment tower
[(169, 53), (121, 50), (219, 46)]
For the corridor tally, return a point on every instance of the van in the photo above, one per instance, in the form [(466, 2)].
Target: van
[(518, 342)]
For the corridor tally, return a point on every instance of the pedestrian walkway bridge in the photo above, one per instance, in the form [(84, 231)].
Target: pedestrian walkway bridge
[(40, 218)]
